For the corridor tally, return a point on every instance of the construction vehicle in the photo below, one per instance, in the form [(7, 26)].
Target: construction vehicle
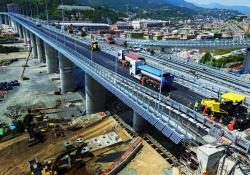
[(229, 108), (94, 46), (67, 160), (126, 57), (110, 40), (70, 29)]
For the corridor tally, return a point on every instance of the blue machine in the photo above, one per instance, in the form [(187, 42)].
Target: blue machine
[(156, 74)]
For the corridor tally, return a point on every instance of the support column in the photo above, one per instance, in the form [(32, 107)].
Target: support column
[(5, 19), (40, 49), (139, 123), (246, 64), (21, 30), (66, 74), (25, 36), (51, 58), (95, 95), (1, 19), (33, 45)]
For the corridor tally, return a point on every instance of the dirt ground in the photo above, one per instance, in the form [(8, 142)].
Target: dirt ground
[(19, 55), (147, 162), (15, 153)]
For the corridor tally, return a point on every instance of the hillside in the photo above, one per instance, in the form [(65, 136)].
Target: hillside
[(98, 15), (113, 9), (241, 9)]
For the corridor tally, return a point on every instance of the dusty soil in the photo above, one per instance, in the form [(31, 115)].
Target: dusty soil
[(147, 162), (15, 153)]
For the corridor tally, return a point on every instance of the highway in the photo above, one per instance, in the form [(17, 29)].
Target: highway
[(192, 44), (179, 93), (166, 115)]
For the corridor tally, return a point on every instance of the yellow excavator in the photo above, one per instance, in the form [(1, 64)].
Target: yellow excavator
[(228, 107)]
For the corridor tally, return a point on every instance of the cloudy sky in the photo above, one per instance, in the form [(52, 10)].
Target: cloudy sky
[(226, 2)]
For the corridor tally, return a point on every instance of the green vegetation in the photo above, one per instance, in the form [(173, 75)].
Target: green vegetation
[(222, 51), (248, 35), (29, 7), (143, 9), (206, 58), (220, 63)]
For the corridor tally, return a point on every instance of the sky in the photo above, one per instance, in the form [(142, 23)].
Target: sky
[(224, 2)]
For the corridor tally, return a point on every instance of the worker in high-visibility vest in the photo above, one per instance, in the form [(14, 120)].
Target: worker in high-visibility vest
[(189, 105), (196, 106), (142, 81), (205, 111)]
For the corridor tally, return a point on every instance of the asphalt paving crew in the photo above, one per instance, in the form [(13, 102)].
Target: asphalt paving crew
[(196, 106)]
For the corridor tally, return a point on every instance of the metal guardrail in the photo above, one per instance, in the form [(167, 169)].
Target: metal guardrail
[(218, 73), (174, 44), (151, 105), (182, 77), (188, 43), (199, 86)]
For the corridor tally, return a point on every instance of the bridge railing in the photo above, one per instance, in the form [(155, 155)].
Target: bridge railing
[(151, 105), (173, 44)]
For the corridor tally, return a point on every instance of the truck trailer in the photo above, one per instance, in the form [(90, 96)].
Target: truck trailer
[(151, 76), (110, 40), (126, 57)]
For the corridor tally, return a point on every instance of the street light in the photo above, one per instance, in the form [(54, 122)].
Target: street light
[(47, 14)]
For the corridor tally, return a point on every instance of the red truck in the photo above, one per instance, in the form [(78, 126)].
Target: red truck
[(110, 40)]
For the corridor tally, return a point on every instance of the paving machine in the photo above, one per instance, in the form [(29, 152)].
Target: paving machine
[(229, 108)]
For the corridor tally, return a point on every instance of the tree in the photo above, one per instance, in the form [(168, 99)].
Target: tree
[(207, 57)]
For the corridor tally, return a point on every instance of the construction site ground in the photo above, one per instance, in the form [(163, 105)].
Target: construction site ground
[(15, 153), (38, 92), (147, 162)]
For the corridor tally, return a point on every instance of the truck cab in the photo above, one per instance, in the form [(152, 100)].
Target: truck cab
[(133, 69)]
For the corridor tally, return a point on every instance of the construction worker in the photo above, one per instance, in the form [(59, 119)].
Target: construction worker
[(212, 118), (189, 105), (231, 125), (142, 81), (205, 172), (196, 106)]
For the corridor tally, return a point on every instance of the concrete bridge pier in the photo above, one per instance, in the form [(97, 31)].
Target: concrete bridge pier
[(25, 36), (95, 95), (40, 49), (28, 38), (33, 45), (139, 123), (246, 64), (51, 58), (1, 19), (6, 20), (20, 31), (66, 74)]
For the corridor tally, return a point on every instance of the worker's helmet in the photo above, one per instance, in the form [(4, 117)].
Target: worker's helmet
[(50, 162)]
